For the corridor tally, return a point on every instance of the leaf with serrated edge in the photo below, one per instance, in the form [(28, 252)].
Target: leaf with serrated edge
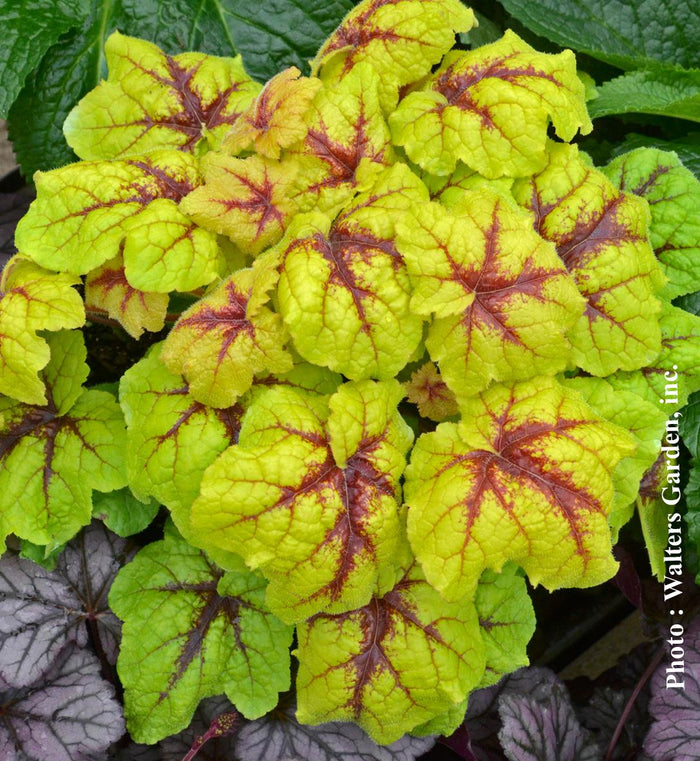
[(151, 100), (344, 290), (601, 236), (310, 497), (248, 200), (213, 634), (85, 212), (276, 119), (71, 714), (32, 299), (501, 297), (490, 107), (673, 194), (227, 337), (525, 476), (391, 665), (279, 737), (53, 456), (402, 39), (108, 290)]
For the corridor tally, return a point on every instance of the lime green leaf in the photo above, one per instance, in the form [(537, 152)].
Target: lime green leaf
[(673, 194), (310, 496), (601, 236), (344, 291), (276, 119), (53, 456), (666, 93), (227, 337), (507, 621), (645, 421), (152, 100), (191, 631), (449, 189), (429, 391), (526, 476), (345, 127), (687, 147), (654, 511), (247, 200), (108, 290), (122, 513), (673, 375), (490, 108), (85, 212), (401, 39), (392, 665), (502, 299), (32, 299)]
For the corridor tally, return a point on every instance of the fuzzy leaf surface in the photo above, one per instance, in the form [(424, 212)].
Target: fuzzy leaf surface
[(391, 665), (151, 100), (214, 634), (279, 736), (601, 236), (490, 108), (402, 39), (85, 213), (496, 289), (53, 456), (32, 299), (526, 476), (344, 289), (673, 194), (309, 495)]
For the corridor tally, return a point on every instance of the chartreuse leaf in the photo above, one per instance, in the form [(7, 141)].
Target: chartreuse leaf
[(151, 100), (108, 290), (276, 118), (673, 194), (212, 634), (86, 212), (32, 299), (53, 456), (309, 495), (402, 39), (525, 476), (644, 420), (344, 290), (490, 108), (346, 128), (405, 657), (449, 189), (220, 342), (122, 513), (430, 393), (501, 297), (248, 200), (601, 236)]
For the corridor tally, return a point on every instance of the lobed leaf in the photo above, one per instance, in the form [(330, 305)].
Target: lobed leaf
[(430, 393), (32, 299), (213, 634), (501, 298), (309, 495), (86, 212), (151, 100), (54, 455), (601, 236), (490, 108), (402, 39), (673, 194), (391, 665), (525, 476)]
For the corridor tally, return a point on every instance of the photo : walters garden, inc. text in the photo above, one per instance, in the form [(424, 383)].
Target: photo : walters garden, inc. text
[(350, 381)]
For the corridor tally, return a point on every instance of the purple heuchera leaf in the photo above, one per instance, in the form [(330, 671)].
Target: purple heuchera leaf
[(41, 611), (69, 714), (278, 737), (675, 733)]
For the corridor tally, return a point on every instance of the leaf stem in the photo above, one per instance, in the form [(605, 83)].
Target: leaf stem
[(222, 725), (651, 668)]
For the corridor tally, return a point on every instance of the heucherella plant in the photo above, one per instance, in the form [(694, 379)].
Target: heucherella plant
[(411, 347)]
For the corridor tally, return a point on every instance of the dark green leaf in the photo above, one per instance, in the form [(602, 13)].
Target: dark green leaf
[(29, 28), (630, 34)]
